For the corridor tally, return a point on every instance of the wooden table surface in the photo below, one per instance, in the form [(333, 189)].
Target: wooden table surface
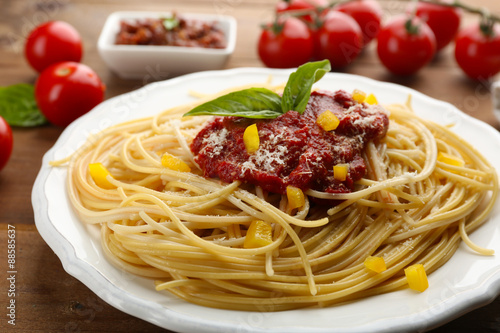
[(50, 300)]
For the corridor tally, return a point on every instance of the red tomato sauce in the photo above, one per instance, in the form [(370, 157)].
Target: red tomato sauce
[(294, 150), (187, 33)]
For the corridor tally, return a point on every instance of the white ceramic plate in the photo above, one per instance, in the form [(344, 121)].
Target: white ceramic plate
[(466, 282)]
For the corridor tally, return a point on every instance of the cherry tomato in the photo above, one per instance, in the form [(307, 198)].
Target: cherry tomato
[(300, 5), (444, 21), (52, 42), (405, 46), (5, 142), (367, 13), (477, 50), (66, 91), (285, 44), (339, 39)]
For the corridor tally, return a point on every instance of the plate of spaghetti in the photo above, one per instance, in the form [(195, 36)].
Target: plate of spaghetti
[(259, 200)]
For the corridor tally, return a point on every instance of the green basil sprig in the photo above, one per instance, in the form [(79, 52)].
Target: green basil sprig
[(18, 106), (262, 103), (170, 23), (298, 87), (259, 103)]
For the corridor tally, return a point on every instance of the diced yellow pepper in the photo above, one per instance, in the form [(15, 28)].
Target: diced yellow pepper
[(450, 159), (358, 95), (258, 234), (174, 163), (375, 264), (328, 121), (98, 172), (251, 139), (295, 197), (416, 277), (340, 171), (371, 99)]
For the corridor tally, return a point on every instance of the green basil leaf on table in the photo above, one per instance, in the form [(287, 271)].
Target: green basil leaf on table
[(18, 106), (298, 87), (257, 103)]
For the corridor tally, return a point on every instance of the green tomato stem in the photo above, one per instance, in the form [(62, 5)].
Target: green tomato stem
[(458, 4), (485, 14)]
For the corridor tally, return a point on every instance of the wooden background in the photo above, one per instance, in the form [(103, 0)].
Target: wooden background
[(50, 300)]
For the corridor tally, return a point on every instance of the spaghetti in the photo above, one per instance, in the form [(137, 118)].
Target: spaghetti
[(414, 205)]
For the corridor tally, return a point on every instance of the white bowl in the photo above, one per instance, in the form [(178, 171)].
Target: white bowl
[(153, 62)]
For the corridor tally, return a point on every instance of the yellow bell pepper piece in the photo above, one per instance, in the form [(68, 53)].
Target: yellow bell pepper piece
[(371, 99), (98, 172), (258, 234), (295, 197), (251, 139), (174, 163), (450, 159), (328, 121), (375, 264), (358, 95), (340, 171), (416, 277)]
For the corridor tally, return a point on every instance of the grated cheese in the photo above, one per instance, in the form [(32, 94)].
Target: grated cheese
[(215, 140), (265, 159)]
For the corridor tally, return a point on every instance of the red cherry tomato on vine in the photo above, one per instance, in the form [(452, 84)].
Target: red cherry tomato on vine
[(285, 44), (477, 51), (367, 13), (404, 48), (6, 141), (66, 91), (52, 42), (339, 39), (444, 21), (299, 5)]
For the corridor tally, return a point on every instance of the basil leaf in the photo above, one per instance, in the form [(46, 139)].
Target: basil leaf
[(261, 103), (257, 103), (170, 23), (18, 106), (298, 88)]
